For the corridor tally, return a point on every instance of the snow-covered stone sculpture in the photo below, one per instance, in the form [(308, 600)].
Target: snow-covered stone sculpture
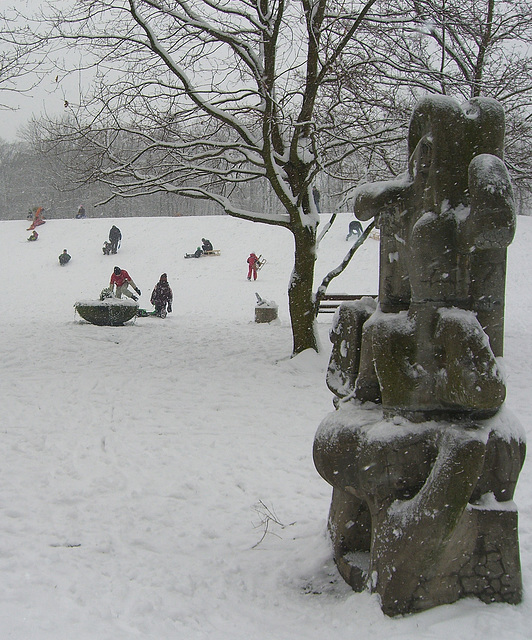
[(422, 456)]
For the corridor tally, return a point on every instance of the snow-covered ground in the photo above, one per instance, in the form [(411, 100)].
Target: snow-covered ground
[(156, 480)]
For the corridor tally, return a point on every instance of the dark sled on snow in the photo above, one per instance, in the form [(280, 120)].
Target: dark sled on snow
[(142, 313)]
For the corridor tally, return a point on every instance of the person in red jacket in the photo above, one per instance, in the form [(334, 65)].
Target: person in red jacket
[(120, 278), (253, 263)]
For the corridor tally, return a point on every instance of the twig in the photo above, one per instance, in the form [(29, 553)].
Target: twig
[(267, 516)]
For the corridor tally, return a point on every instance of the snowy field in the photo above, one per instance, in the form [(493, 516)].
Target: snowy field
[(156, 479)]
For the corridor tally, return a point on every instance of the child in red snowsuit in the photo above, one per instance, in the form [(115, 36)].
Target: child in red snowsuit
[(253, 266)]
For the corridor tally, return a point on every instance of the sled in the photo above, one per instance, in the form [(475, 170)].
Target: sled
[(142, 313), (260, 263), (214, 252), (37, 223)]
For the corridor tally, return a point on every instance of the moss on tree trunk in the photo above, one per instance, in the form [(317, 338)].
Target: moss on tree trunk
[(300, 291)]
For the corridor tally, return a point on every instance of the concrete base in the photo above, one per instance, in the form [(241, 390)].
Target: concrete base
[(265, 313), (423, 514)]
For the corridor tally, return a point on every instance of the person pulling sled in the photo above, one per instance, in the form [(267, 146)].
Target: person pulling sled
[(115, 236), (254, 265)]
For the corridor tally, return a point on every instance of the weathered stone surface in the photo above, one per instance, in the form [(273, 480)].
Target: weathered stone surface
[(445, 225), (346, 338), (422, 509), (422, 513)]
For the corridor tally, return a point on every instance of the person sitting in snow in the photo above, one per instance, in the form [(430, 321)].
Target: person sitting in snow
[(120, 279), (34, 236), (197, 254), (106, 248), (64, 258), (206, 245), (162, 297)]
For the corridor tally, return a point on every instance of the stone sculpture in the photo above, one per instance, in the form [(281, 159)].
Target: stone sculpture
[(421, 454)]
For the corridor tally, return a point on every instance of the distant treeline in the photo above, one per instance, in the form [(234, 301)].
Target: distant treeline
[(29, 180)]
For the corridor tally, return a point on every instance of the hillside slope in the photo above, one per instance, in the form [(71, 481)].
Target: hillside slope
[(157, 480)]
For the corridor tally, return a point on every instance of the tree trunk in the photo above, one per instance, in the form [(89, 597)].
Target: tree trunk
[(300, 291)]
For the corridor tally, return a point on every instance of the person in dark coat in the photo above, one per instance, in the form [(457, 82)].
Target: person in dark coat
[(114, 238), (197, 254), (355, 229), (206, 245), (162, 296), (64, 258)]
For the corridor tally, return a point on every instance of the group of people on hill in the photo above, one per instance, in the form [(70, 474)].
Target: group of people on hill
[(115, 236), (37, 218), (206, 247), (161, 296)]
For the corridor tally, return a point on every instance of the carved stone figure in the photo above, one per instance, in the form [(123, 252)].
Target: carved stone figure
[(422, 460)]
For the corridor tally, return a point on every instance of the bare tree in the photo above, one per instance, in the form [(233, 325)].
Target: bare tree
[(460, 48), (203, 98), (21, 56), (206, 98)]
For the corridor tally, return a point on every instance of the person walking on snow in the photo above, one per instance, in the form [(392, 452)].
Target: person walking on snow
[(253, 263), (162, 297), (114, 238), (120, 278)]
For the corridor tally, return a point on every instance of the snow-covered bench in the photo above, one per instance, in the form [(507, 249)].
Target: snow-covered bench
[(331, 301)]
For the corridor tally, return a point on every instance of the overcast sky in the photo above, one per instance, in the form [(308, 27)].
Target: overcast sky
[(46, 99)]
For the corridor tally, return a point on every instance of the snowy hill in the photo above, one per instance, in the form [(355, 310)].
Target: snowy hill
[(157, 479)]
